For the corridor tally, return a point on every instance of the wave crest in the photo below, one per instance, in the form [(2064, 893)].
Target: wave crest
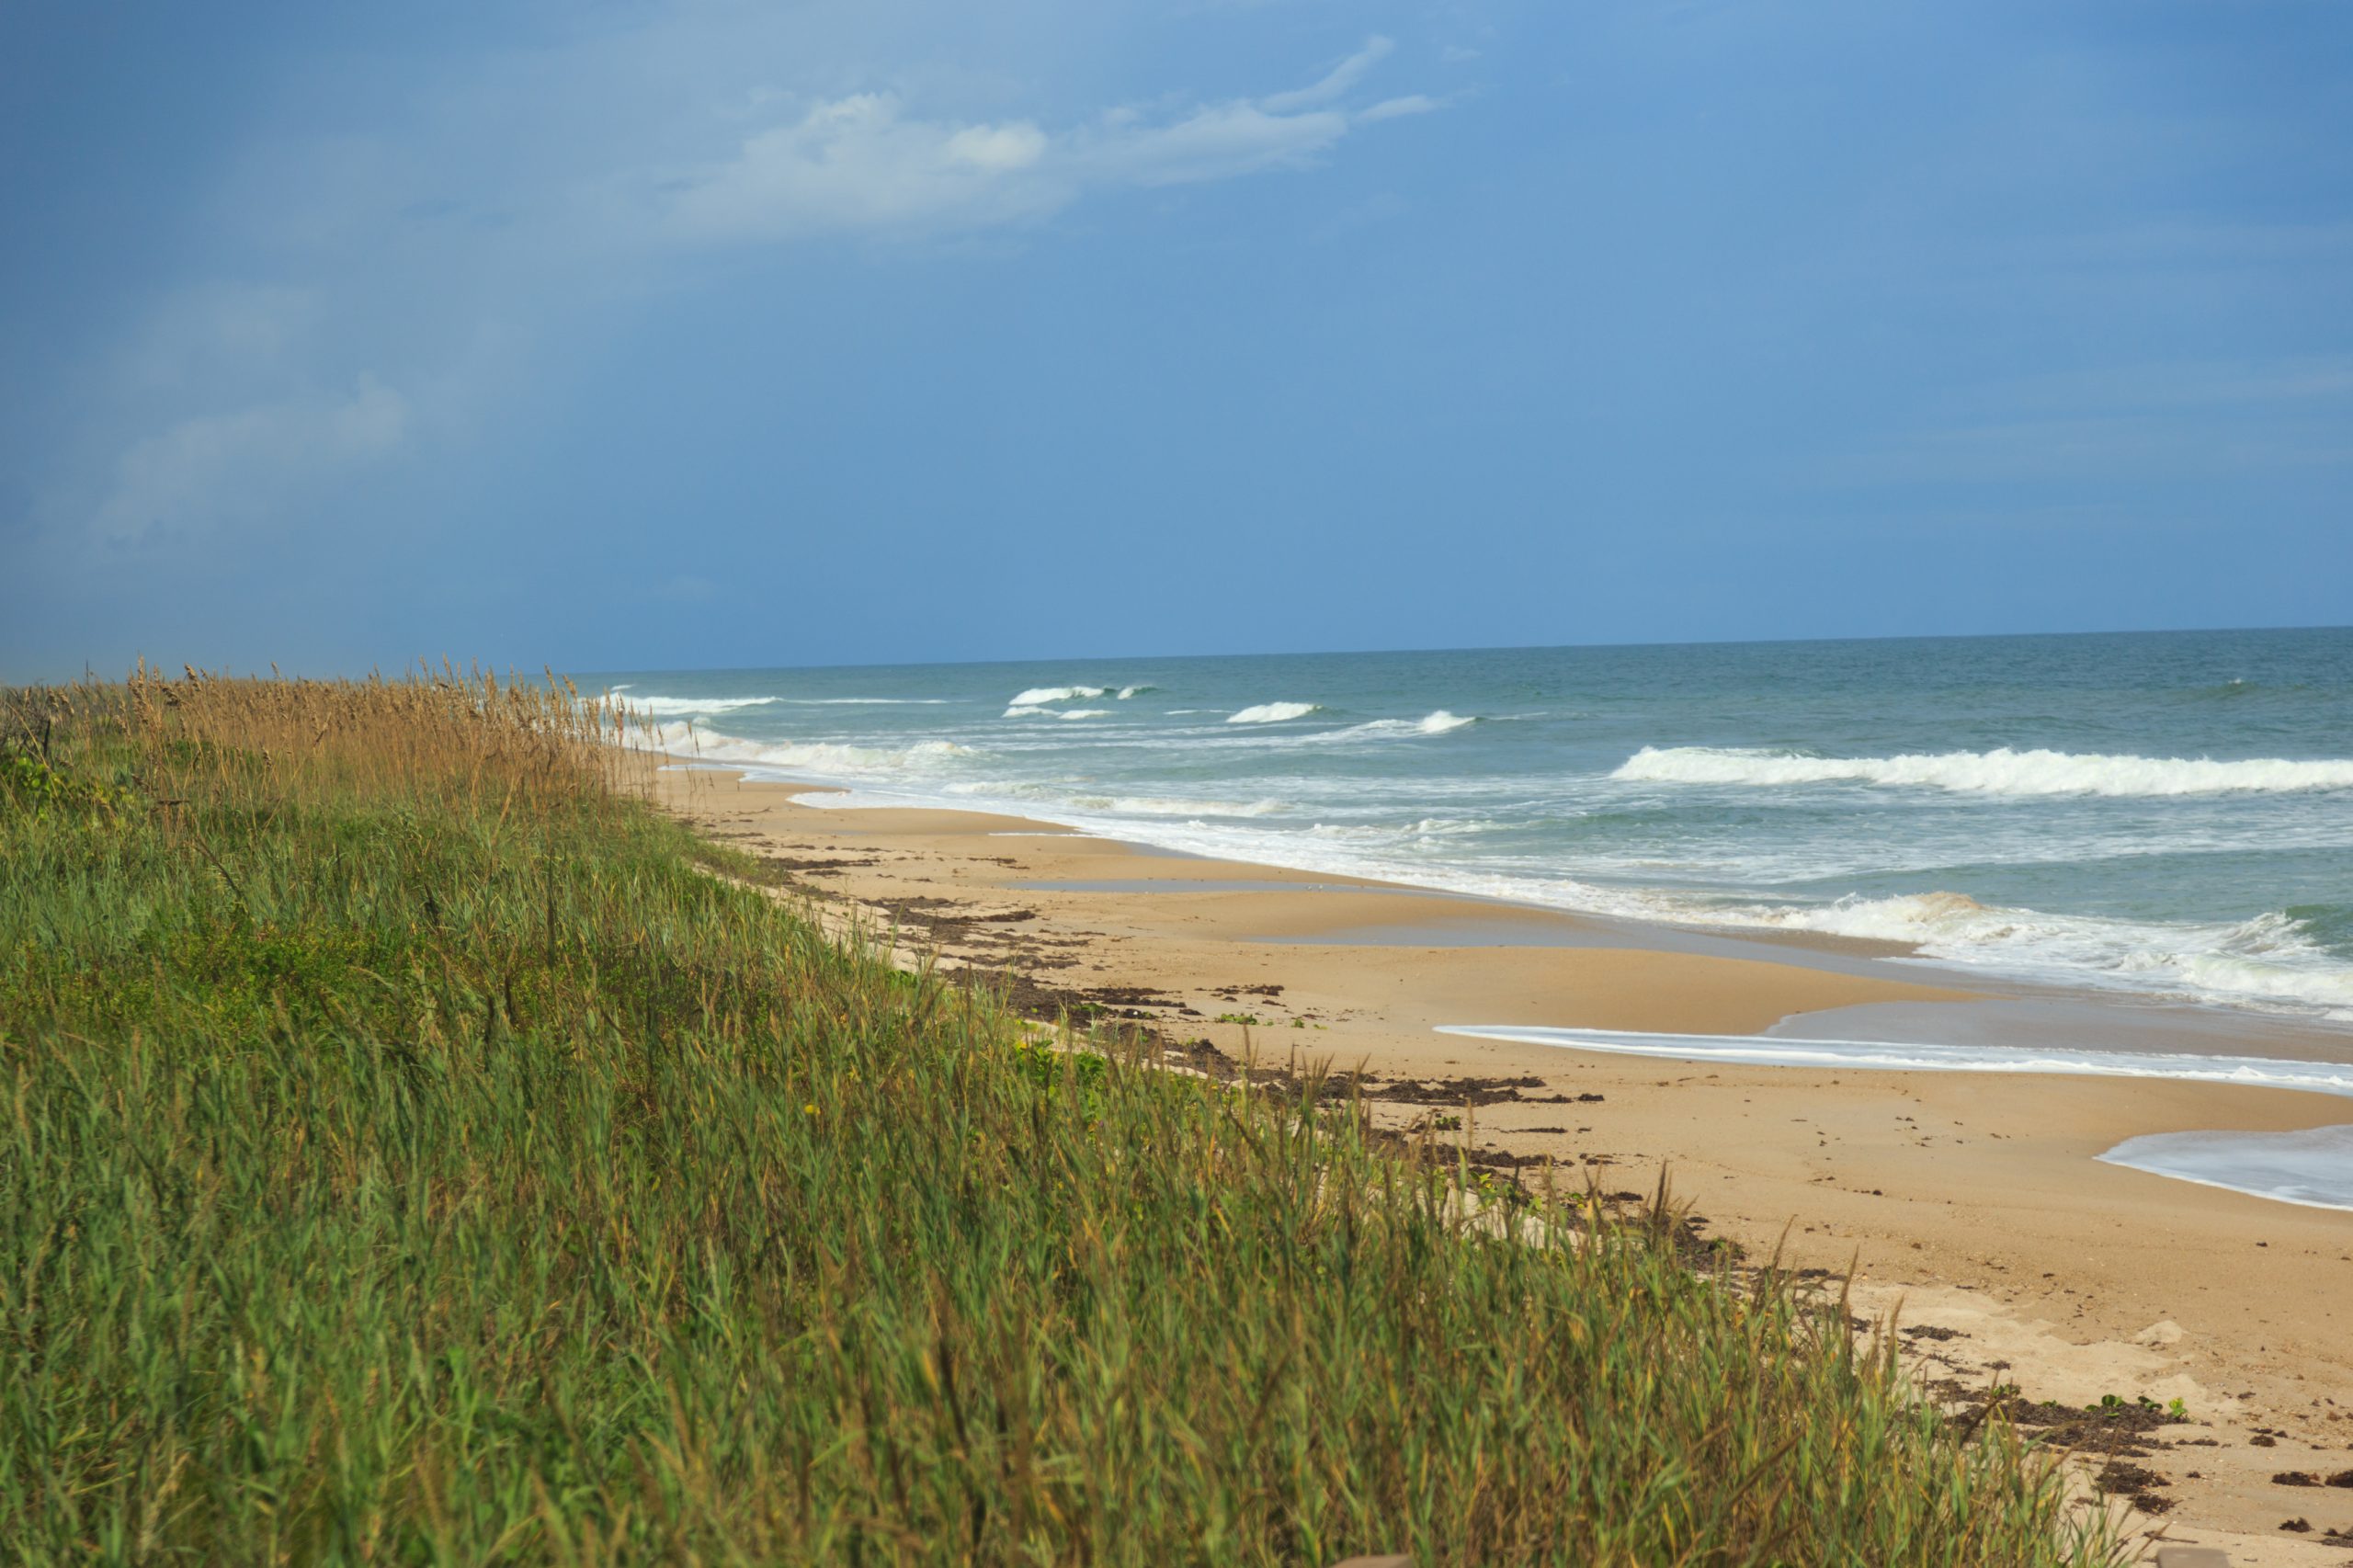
[(1273, 712), (811, 756), (1039, 695), (2270, 960), (1438, 723), (1998, 772), (653, 707)]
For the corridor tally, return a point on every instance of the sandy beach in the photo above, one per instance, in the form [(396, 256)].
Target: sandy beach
[(1971, 1207)]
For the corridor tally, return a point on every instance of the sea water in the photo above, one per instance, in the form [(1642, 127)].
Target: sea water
[(2165, 815), (2161, 816)]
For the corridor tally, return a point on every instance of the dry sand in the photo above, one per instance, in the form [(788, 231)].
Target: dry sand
[(1972, 1203)]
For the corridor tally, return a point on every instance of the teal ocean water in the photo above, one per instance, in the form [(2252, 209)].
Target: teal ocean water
[(2163, 814)]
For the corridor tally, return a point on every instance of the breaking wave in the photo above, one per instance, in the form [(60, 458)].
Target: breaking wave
[(1273, 712), (2270, 960), (811, 756), (1438, 723), (1998, 772), (1038, 711), (1039, 695), (651, 706)]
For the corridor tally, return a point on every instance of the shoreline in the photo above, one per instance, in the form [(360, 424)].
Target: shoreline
[(2298, 1037), (1640, 928), (1978, 1200)]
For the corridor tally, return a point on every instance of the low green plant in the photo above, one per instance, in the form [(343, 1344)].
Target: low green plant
[(415, 1149)]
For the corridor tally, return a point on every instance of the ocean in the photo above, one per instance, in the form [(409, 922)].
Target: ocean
[(2159, 815)]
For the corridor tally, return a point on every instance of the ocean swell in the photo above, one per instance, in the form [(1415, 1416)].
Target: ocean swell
[(1998, 772)]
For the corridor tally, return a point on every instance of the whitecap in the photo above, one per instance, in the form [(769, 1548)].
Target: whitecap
[(823, 758), (1438, 723), (656, 707), (1273, 712), (1039, 695), (2268, 961), (1998, 772)]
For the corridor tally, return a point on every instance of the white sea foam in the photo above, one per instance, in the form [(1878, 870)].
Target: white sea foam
[(1128, 691), (1039, 695), (1273, 712), (2314, 1167), (2268, 959), (1039, 711), (1773, 1050), (1398, 832), (652, 706), (1438, 723), (1998, 772), (823, 758), (1155, 806)]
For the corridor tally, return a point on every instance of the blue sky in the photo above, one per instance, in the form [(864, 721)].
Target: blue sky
[(675, 335)]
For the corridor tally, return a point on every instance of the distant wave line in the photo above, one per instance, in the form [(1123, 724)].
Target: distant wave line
[(2002, 771)]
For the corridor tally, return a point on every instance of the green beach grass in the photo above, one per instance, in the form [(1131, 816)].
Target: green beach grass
[(417, 1149)]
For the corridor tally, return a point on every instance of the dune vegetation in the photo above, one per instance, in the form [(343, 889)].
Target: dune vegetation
[(416, 1148)]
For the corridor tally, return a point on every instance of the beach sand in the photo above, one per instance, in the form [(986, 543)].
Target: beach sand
[(1970, 1206)]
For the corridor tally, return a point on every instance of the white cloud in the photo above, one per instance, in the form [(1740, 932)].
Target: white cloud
[(856, 163), (1393, 108), (1335, 83), (434, 249), (863, 163), (1215, 143), (212, 469)]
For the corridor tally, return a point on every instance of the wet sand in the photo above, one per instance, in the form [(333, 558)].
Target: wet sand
[(1974, 1202)]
